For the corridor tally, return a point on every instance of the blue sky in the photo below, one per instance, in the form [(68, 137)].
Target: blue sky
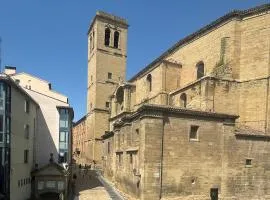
[(47, 38)]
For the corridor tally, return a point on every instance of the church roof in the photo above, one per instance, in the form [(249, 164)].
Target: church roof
[(247, 131), (185, 111), (235, 14)]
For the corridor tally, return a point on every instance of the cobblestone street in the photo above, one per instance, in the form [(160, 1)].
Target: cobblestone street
[(91, 186)]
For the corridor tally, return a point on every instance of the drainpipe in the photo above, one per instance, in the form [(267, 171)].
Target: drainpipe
[(161, 157), (267, 91)]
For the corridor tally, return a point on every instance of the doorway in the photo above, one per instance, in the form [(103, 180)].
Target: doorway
[(214, 193)]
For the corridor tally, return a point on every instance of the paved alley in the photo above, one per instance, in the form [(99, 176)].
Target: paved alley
[(91, 186)]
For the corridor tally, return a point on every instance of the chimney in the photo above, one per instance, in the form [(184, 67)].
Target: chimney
[(9, 70)]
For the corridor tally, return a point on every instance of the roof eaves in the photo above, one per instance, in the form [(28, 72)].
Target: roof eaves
[(186, 111), (79, 121), (18, 87), (13, 75)]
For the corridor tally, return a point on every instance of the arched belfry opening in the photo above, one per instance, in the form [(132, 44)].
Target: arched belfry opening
[(149, 82), (200, 70), (120, 99), (107, 37), (116, 39), (183, 100)]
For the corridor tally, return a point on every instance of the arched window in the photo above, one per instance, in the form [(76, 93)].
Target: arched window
[(93, 46), (149, 82), (183, 100), (107, 37), (200, 70), (91, 43), (116, 39), (120, 98)]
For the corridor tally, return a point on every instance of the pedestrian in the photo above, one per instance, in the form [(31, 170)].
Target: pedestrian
[(86, 169), (94, 163), (74, 176)]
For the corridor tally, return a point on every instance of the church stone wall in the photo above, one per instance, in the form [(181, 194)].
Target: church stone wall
[(254, 55)]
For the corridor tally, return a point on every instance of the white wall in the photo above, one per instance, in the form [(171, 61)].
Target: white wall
[(19, 143), (47, 139)]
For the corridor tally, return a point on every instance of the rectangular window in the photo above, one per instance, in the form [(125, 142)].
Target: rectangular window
[(50, 184), (120, 158), (1, 128), (26, 106), (63, 112), (248, 162), (26, 152), (193, 134), (63, 123), (109, 75), (63, 145), (2, 103), (107, 104), (130, 158), (26, 131), (137, 135), (60, 185), (1, 156), (40, 185), (1, 123), (109, 147), (63, 136)]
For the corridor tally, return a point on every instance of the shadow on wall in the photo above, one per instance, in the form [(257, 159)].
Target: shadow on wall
[(45, 144)]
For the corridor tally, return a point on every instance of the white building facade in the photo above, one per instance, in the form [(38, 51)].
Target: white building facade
[(35, 127), (54, 119), (18, 113)]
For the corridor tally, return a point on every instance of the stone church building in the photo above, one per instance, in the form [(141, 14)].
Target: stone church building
[(194, 123)]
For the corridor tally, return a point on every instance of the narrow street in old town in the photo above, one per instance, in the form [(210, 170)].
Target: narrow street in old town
[(90, 185)]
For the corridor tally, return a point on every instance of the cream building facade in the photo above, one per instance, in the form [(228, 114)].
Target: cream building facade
[(194, 123), (79, 142), (35, 134), (54, 119), (18, 130)]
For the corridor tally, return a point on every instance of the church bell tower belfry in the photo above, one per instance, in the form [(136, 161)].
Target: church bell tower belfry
[(107, 55)]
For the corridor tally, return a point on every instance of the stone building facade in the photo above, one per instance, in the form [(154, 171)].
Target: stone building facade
[(79, 142), (194, 123), (107, 51)]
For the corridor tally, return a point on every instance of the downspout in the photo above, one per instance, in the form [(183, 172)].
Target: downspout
[(161, 157), (267, 89)]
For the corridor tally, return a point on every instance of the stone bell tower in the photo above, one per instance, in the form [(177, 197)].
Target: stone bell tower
[(107, 55)]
